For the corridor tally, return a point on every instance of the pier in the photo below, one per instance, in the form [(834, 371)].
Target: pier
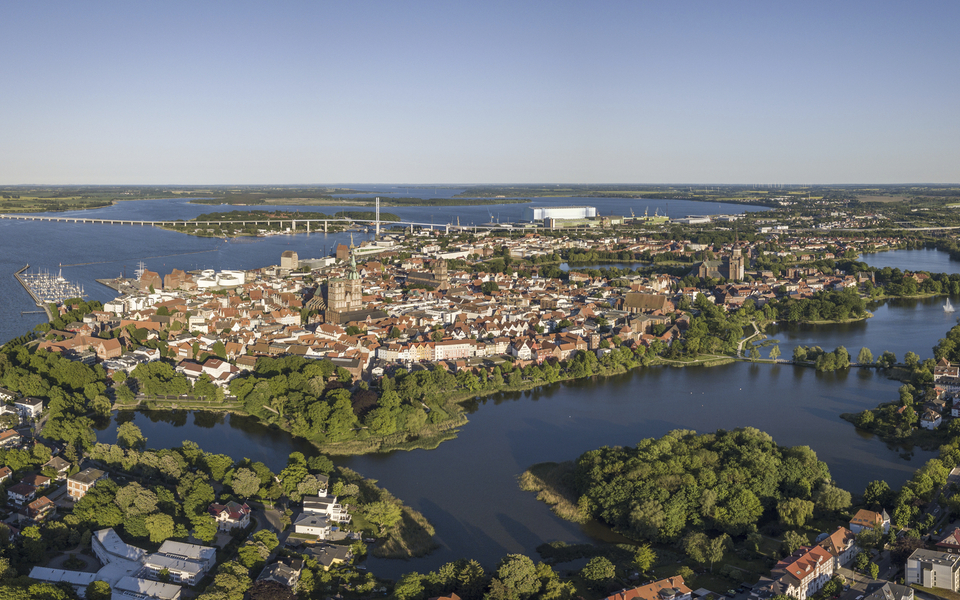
[(36, 298)]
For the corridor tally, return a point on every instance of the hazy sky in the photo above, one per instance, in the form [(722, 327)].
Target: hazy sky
[(479, 92)]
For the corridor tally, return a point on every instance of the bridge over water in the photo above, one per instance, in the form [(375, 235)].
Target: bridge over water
[(447, 227)]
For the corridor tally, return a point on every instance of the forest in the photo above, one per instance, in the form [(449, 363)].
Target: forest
[(728, 482)]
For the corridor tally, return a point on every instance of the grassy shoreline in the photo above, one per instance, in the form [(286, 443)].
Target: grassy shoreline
[(553, 484)]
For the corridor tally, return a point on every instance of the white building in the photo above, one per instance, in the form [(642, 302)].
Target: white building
[(933, 569), (133, 588), (29, 408), (185, 563), (313, 524), (327, 506), (539, 213)]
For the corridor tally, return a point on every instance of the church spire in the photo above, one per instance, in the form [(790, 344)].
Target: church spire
[(353, 273)]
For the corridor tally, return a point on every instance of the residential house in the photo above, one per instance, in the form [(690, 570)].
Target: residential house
[(230, 516), (36, 480), (326, 505), (869, 519), (671, 588), (21, 493), (842, 546), (891, 591), (5, 473), (931, 419), (803, 573), (29, 408), (285, 571), (950, 542), (58, 466), (313, 524), (78, 484), (328, 555), (932, 569), (943, 369), (9, 439), (40, 509)]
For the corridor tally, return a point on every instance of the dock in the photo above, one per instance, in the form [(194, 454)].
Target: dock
[(33, 295)]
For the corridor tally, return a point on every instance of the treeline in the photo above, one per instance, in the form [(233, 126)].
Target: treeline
[(315, 400), (449, 201), (72, 390), (712, 330), (261, 215), (728, 482), (823, 306), (368, 215), (949, 346)]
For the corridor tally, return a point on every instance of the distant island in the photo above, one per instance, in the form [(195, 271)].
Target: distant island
[(259, 222), (266, 199)]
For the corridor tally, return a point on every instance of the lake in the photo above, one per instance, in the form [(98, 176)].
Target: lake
[(926, 259)]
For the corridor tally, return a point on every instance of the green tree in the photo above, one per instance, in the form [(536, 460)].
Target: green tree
[(793, 540), (877, 494), (204, 527), (887, 360), (130, 436), (644, 557), (598, 570), (519, 575), (245, 483), (794, 512), (865, 357), (384, 514), (911, 360), (830, 498), (160, 527), (409, 587), (861, 562), (98, 590), (873, 570), (775, 352)]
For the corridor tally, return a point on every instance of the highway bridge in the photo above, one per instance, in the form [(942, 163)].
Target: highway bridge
[(447, 227)]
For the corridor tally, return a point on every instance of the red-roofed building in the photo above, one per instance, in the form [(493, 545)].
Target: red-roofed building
[(39, 509), (671, 588), (867, 519), (950, 542), (230, 515), (842, 545), (803, 573)]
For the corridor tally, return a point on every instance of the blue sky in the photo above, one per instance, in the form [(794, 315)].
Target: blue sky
[(479, 92)]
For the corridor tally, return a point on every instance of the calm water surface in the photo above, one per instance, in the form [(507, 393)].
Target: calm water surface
[(927, 259)]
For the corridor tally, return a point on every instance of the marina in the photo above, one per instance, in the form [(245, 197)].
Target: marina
[(46, 289)]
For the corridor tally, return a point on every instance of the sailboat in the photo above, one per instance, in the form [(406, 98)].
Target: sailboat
[(948, 308)]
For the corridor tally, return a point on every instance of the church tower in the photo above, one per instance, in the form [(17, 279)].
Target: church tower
[(735, 270), (440, 275), (344, 295)]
